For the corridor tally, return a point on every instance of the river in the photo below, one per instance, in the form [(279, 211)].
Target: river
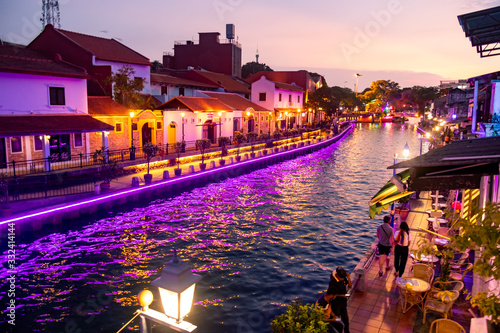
[(259, 241)]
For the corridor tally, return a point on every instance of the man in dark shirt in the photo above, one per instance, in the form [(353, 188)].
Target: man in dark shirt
[(340, 280)]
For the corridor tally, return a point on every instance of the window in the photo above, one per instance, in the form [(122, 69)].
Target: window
[(290, 98), (78, 139), (16, 144), (164, 90), (57, 96), (139, 80), (262, 97), (279, 98), (298, 99), (38, 143), (159, 125), (118, 127), (262, 118), (181, 91)]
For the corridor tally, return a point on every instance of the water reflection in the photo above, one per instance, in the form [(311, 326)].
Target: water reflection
[(259, 241)]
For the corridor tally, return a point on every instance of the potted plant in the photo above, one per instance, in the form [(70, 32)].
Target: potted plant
[(5, 208), (483, 236), (276, 136), (300, 318), (223, 142), (251, 137), (150, 150), (179, 147), (239, 138), (109, 169), (202, 145), (403, 208)]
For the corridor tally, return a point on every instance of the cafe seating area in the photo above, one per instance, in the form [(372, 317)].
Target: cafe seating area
[(390, 304)]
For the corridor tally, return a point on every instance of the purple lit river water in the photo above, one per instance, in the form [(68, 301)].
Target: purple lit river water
[(259, 241)]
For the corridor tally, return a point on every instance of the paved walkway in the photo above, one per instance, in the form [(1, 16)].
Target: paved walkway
[(377, 310)]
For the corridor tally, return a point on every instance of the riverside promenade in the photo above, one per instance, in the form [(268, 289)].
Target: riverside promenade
[(376, 309), (41, 214)]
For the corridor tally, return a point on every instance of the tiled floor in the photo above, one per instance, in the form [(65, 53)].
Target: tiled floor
[(377, 308)]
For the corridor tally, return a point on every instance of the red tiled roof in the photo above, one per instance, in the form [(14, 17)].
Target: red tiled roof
[(235, 101), (299, 77), (16, 59), (168, 79), (50, 124), (286, 86), (226, 82), (106, 106), (203, 104), (105, 48)]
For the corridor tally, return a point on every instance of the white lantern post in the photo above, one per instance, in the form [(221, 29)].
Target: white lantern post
[(176, 285)]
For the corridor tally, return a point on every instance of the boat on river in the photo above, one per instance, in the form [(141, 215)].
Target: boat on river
[(366, 118)]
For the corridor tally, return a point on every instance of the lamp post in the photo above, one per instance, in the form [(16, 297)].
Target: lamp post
[(183, 146), (270, 116), (176, 286), (220, 125), (357, 78), (132, 148), (286, 120), (406, 154)]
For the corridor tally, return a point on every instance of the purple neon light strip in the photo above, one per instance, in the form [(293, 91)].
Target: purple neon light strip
[(162, 183)]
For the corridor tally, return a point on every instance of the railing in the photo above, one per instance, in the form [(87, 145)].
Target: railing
[(35, 179), (43, 187)]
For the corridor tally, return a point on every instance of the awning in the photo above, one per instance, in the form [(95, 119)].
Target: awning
[(31, 125), (389, 193)]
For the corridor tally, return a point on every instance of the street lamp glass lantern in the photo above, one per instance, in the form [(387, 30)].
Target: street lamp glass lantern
[(132, 114), (406, 151), (176, 285)]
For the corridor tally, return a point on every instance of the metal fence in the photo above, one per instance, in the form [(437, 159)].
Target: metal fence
[(43, 187)]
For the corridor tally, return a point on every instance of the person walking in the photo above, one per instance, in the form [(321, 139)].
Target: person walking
[(402, 240), (385, 241), (340, 280)]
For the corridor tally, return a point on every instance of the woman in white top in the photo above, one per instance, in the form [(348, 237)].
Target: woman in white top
[(402, 240)]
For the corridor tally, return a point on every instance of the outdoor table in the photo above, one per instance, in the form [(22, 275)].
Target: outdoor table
[(424, 258), (442, 222), (440, 241), (410, 292), (439, 196)]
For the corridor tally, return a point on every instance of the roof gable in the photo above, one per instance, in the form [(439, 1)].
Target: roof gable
[(196, 104), (105, 105), (235, 101), (105, 48), (16, 59)]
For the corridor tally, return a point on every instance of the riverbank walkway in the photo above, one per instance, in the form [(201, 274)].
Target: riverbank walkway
[(162, 170), (377, 309)]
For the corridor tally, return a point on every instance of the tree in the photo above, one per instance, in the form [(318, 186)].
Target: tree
[(483, 236), (155, 65), (380, 93), (419, 97), (202, 145), (253, 67), (127, 87)]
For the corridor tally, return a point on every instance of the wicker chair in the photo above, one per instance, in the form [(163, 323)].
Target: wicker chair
[(459, 275), (443, 304), (460, 260), (423, 271), (449, 285), (446, 325)]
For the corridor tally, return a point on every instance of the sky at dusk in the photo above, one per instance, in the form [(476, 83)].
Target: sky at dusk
[(407, 41)]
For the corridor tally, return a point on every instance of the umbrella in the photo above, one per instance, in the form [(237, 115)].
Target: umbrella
[(389, 193)]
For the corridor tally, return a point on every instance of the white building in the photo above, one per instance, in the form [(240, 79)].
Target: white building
[(285, 99), (44, 108)]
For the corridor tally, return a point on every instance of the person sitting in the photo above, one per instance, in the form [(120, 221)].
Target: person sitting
[(323, 304)]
